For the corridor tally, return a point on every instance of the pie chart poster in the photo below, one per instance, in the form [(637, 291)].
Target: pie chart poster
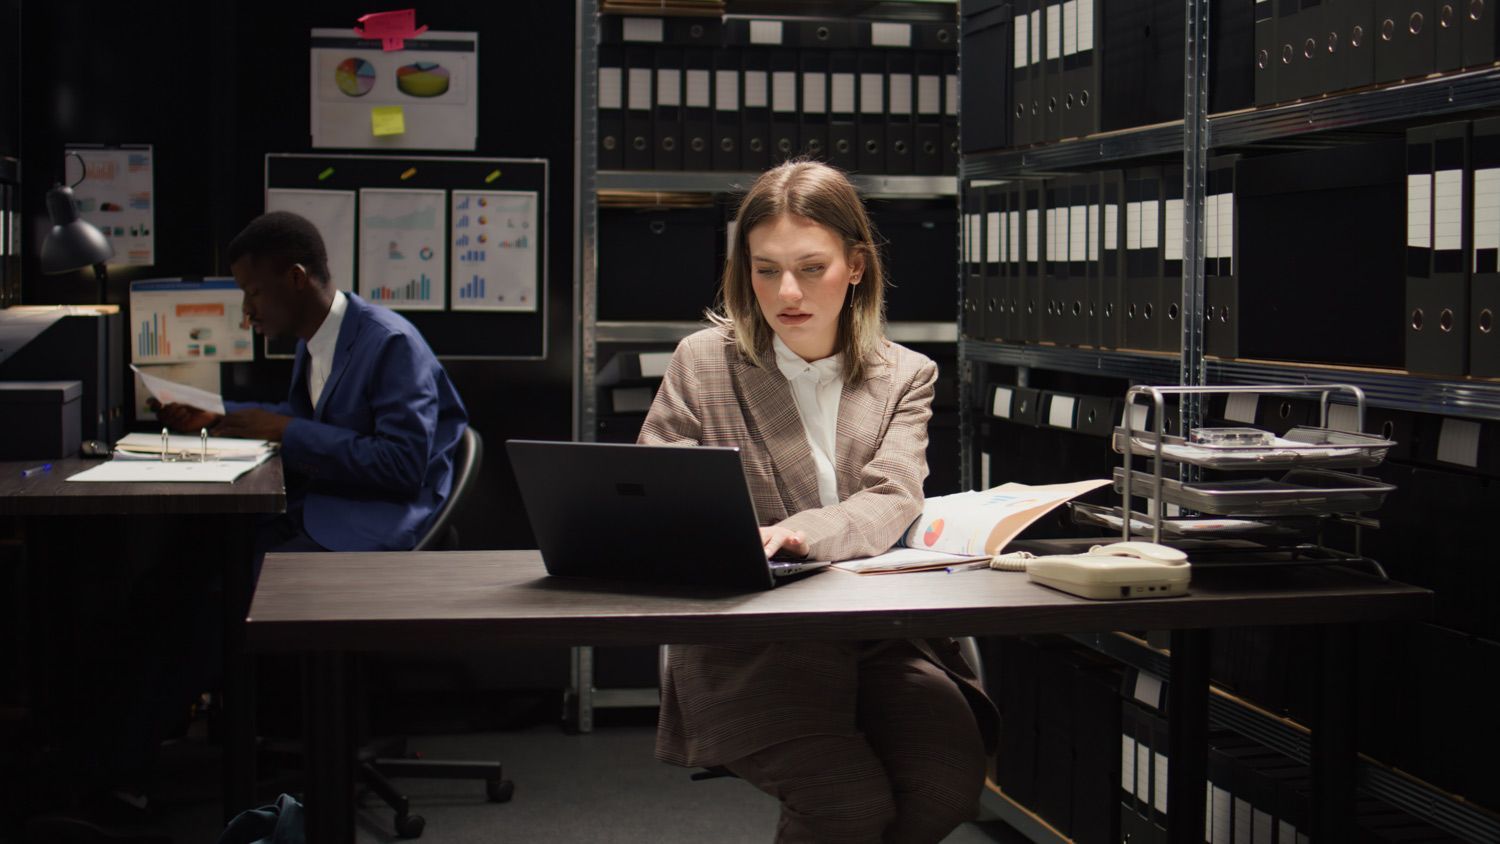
[(433, 80)]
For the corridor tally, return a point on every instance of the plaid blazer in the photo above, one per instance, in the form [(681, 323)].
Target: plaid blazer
[(724, 702)]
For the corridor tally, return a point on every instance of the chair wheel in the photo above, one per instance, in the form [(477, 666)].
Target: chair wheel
[(410, 826), (499, 791)]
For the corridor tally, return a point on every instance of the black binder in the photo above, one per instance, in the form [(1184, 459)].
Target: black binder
[(755, 108), (1034, 264), (1075, 292), (928, 131), (1089, 288), (870, 155), (1478, 26), (1437, 282), (987, 79), (900, 127), (1021, 73), (1054, 264), (843, 100), (697, 109), (1142, 257), (1361, 36), (1167, 314), (640, 67), (1127, 58), (812, 131), (724, 143), (1307, 68), (1083, 30), (1052, 81), (997, 264), (1169, 38), (784, 105), (1108, 301), (950, 113), (666, 122), (1484, 286), (1405, 47), (1267, 52), (1446, 36), (1221, 306), (1231, 80), (1011, 305), (975, 292), (611, 107)]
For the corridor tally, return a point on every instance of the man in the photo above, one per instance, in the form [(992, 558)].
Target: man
[(371, 421)]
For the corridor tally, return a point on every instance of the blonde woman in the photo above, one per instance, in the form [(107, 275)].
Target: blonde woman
[(860, 741)]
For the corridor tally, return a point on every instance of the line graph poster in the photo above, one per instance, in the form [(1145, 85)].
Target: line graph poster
[(403, 248), (332, 211), (495, 244)]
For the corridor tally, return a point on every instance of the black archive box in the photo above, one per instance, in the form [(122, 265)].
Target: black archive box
[(657, 263)]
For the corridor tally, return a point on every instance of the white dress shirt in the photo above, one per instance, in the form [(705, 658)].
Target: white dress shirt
[(816, 389), (321, 347)]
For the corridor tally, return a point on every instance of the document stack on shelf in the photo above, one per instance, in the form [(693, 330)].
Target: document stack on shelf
[(149, 458)]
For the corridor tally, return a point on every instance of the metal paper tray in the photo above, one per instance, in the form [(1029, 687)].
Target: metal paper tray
[(1275, 533), (1301, 446), (1300, 492)]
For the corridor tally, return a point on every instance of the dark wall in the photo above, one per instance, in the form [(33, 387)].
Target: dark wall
[(10, 78), (217, 86)]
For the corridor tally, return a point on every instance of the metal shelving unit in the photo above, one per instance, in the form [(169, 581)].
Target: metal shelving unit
[(871, 186)]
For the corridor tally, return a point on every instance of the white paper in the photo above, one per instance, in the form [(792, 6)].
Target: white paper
[(157, 471), (698, 89), (332, 211), (1034, 28), (1054, 31), (171, 392), (495, 249), (1172, 247), (1093, 235), (351, 76), (1127, 763), (1085, 25), (1033, 221), (638, 92), (1013, 236), (992, 237), (611, 88), (1070, 27), (1159, 792), (1111, 227), (1019, 59), (755, 89), (907, 559), (403, 247), (1078, 233), (204, 376), (117, 197), (982, 522), (173, 321)]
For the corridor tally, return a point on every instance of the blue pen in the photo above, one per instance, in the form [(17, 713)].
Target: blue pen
[(36, 470)]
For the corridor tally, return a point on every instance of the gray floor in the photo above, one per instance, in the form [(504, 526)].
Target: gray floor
[(599, 787)]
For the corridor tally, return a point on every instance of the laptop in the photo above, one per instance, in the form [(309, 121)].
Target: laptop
[(663, 514)]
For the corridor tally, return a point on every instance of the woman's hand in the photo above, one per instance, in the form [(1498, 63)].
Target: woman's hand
[(777, 538)]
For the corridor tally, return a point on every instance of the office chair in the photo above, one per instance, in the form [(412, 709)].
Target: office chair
[(388, 757)]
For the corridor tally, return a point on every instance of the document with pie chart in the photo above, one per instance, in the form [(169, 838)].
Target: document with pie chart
[(403, 248), (496, 240)]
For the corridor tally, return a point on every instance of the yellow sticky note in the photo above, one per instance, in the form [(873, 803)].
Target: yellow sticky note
[(387, 120)]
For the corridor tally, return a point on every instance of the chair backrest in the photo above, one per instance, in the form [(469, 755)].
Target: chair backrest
[(467, 459)]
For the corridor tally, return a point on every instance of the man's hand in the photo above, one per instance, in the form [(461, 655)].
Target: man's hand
[(183, 418), (777, 538), (252, 423)]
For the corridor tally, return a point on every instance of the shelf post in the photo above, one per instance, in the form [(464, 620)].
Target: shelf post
[(1194, 169)]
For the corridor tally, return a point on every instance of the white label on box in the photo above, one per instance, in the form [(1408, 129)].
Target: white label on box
[(929, 94), (1019, 50), (640, 88), (765, 32), (1127, 763), (630, 399), (973, 253), (1151, 224), (1054, 228), (1172, 248), (1013, 236), (1242, 814), (756, 95), (1286, 833), (1159, 796), (984, 470), (1035, 30), (654, 364), (1111, 227), (1262, 827), (1070, 27), (1137, 421), (890, 34), (1241, 407), (1085, 25), (1226, 228), (841, 93), (1222, 816), (643, 29), (784, 91), (1458, 442), (1419, 210), (1093, 250), (814, 93), (611, 88), (668, 87), (992, 245), (1060, 413), (727, 90), (900, 93), (872, 93), (697, 89), (1142, 771), (1078, 233), (1000, 404), (950, 95), (1211, 226), (1132, 225), (1033, 222), (1487, 208), (1054, 30), (1447, 210)]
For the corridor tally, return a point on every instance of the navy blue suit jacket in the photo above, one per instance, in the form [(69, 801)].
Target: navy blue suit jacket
[(371, 465)]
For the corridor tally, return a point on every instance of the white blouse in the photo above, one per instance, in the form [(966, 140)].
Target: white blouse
[(816, 389)]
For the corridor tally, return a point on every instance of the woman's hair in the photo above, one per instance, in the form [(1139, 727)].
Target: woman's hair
[(822, 194)]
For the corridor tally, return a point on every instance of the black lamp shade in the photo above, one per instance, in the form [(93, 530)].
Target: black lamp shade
[(73, 244)]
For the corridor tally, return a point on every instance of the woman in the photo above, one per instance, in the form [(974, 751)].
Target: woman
[(861, 741)]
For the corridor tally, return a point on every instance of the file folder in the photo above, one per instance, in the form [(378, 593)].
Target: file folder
[(784, 108), (698, 111), (843, 134), (725, 140), (1221, 309), (812, 133), (611, 107), (755, 113), (900, 129), (1075, 291), (1109, 315), (666, 123), (1052, 83), (1477, 34), (1142, 257), (1446, 36), (928, 131), (1089, 286), (1033, 209), (987, 81), (973, 249), (950, 113), (994, 257), (640, 67), (1168, 311), (1011, 302), (1484, 296), (1055, 264), (1437, 294), (1082, 31), (1405, 46), (870, 154), (1020, 74)]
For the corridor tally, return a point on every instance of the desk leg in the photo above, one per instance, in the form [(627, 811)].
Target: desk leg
[(1333, 736), (239, 671), (1187, 735), (328, 733)]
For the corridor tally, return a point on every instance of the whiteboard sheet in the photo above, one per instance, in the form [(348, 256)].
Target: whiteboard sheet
[(176, 321), (433, 80), (116, 196), (495, 246), (332, 211), (403, 248)]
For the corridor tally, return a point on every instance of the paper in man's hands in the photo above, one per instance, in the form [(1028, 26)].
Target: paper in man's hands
[(171, 392)]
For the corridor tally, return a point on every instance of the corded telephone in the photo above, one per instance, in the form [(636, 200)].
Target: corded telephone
[(1108, 572)]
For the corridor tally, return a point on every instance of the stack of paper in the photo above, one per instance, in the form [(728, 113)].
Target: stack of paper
[(138, 459), (149, 447)]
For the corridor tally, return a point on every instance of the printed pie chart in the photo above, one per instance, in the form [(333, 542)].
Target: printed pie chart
[(355, 77), (422, 79), (932, 533)]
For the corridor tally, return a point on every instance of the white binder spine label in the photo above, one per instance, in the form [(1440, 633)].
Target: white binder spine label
[(640, 88), (1111, 227), (1032, 223), (1242, 813), (1078, 233), (1013, 235), (1447, 210), (1000, 405), (971, 238), (1486, 208), (872, 93), (890, 34), (1127, 763), (1133, 225), (950, 95), (1054, 229), (1034, 29), (1151, 224), (1211, 226), (900, 93), (841, 93), (784, 91), (1223, 832), (929, 94), (1085, 25), (697, 89), (756, 95), (1070, 27), (1226, 228), (1285, 831), (1159, 793), (1093, 251), (1054, 31), (727, 90), (1060, 413), (1142, 772), (643, 29), (1419, 210), (668, 87), (814, 93), (1019, 59), (992, 237), (1172, 248), (1262, 827), (610, 88), (765, 32)]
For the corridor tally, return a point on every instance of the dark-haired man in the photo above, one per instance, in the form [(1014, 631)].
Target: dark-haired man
[(370, 423)]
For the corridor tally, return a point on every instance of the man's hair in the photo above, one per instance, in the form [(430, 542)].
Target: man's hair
[(284, 239), (822, 194)]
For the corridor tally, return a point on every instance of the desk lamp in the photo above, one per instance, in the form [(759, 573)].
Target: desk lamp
[(73, 243)]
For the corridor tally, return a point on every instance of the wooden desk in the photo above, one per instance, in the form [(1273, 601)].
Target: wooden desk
[(332, 605), (260, 491)]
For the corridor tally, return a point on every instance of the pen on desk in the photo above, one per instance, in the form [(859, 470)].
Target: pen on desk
[(976, 564), (36, 470)]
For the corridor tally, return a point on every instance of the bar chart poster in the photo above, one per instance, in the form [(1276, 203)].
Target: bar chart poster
[(495, 248), (332, 211), (175, 321), (403, 248)]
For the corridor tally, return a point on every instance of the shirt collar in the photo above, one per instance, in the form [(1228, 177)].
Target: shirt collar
[(327, 336), (793, 366)]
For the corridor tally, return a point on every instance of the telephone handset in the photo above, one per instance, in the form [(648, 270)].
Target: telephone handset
[(1109, 572)]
